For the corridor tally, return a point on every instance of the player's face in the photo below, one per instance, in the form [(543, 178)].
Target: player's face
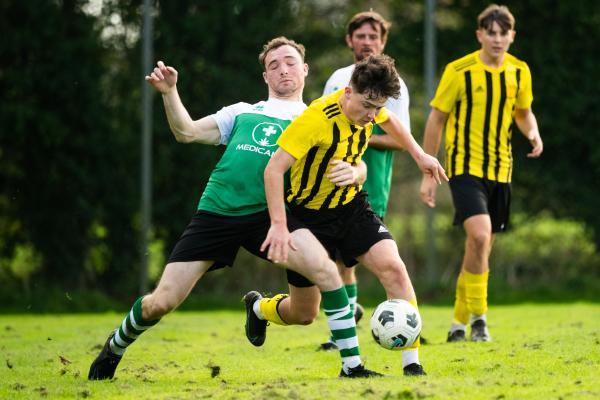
[(359, 108), (285, 72), (494, 41), (365, 41)]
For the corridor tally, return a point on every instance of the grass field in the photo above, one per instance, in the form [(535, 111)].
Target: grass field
[(539, 352)]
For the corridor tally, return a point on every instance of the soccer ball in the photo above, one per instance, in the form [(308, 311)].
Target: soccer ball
[(395, 324)]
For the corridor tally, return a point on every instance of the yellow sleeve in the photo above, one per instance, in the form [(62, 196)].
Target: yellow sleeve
[(302, 134), (382, 116), (447, 91), (525, 95)]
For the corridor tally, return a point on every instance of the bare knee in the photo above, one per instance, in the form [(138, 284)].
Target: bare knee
[(307, 311), (393, 271), (302, 306), (303, 311), (325, 274), (479, 241), (157, 305), (307, 317)]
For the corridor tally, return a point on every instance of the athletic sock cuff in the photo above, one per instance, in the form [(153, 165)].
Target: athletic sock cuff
[(334, 299), (351, 289), (137, 314), (471, 278)]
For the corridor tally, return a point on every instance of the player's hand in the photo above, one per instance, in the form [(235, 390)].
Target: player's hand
[(428, 190), (342, 173), (430, 165), (163, 78), (278, 241), (537, 146)]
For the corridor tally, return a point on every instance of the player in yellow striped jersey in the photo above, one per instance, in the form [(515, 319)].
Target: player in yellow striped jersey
[(478, 99), (331, 133)]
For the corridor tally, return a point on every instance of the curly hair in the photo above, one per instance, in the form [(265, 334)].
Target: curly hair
[(376, 77)]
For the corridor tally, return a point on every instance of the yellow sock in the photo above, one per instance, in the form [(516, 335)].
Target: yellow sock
[(461, 311), (476, 292), (268, 307), (417, 342)]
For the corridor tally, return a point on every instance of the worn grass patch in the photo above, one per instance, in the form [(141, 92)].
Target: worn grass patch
[(539, 352)]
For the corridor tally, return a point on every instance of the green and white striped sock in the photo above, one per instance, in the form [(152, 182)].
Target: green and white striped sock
[(352, 290), (132, 326), (342, 325)]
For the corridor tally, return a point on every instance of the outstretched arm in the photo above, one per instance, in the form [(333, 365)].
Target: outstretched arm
[(384, 142), (278, 238), (164, 79), (527, 124), (431, 145), (426, 163)]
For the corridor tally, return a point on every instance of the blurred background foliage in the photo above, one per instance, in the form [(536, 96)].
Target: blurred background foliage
[(70, 126)]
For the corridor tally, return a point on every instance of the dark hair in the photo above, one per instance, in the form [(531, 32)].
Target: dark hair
[(276, 43), (376, 77), (495, 13), (372, 18)]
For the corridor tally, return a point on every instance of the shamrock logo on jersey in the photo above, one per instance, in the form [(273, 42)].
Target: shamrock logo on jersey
[(266, 133)]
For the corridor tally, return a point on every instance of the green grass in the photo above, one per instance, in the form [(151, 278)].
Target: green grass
[(539, 352)]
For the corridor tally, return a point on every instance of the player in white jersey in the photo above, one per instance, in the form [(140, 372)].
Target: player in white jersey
[(232, 212)]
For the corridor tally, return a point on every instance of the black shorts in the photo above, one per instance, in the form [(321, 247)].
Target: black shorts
[(472, 196), (347, 231), (216, 237)]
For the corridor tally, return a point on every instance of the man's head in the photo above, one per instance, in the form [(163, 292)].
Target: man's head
[(495, 13), (373, 82), (366, 34), (495, 30), (284, 68)]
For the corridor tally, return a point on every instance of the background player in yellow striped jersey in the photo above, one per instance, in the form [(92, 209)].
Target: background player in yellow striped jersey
[(478, 98)]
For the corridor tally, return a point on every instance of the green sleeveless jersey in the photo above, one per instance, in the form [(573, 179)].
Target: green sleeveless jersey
[(379, 175), (250, 131)]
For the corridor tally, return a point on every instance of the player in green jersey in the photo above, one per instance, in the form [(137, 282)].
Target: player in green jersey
[(232, 212)]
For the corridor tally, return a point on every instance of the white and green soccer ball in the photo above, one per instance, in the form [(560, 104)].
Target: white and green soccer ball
[(395, 324)]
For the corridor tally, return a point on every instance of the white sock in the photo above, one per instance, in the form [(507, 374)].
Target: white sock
[(477, 317), (256, 309), (410, 357), (457, 327), (351, 362)]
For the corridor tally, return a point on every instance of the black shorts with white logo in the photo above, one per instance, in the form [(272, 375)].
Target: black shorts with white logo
[(347, 231), (216, 237), (473, 196)]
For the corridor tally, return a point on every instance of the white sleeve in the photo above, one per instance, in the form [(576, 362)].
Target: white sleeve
[(225, 119), (329, 86), (400, 105), (337, 80)]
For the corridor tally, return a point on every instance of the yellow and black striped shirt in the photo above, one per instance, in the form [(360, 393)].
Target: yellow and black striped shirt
[(481, 101), (320, 135)]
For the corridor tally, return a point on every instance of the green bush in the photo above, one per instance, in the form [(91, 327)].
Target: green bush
[(543, 252), (541, 258)]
